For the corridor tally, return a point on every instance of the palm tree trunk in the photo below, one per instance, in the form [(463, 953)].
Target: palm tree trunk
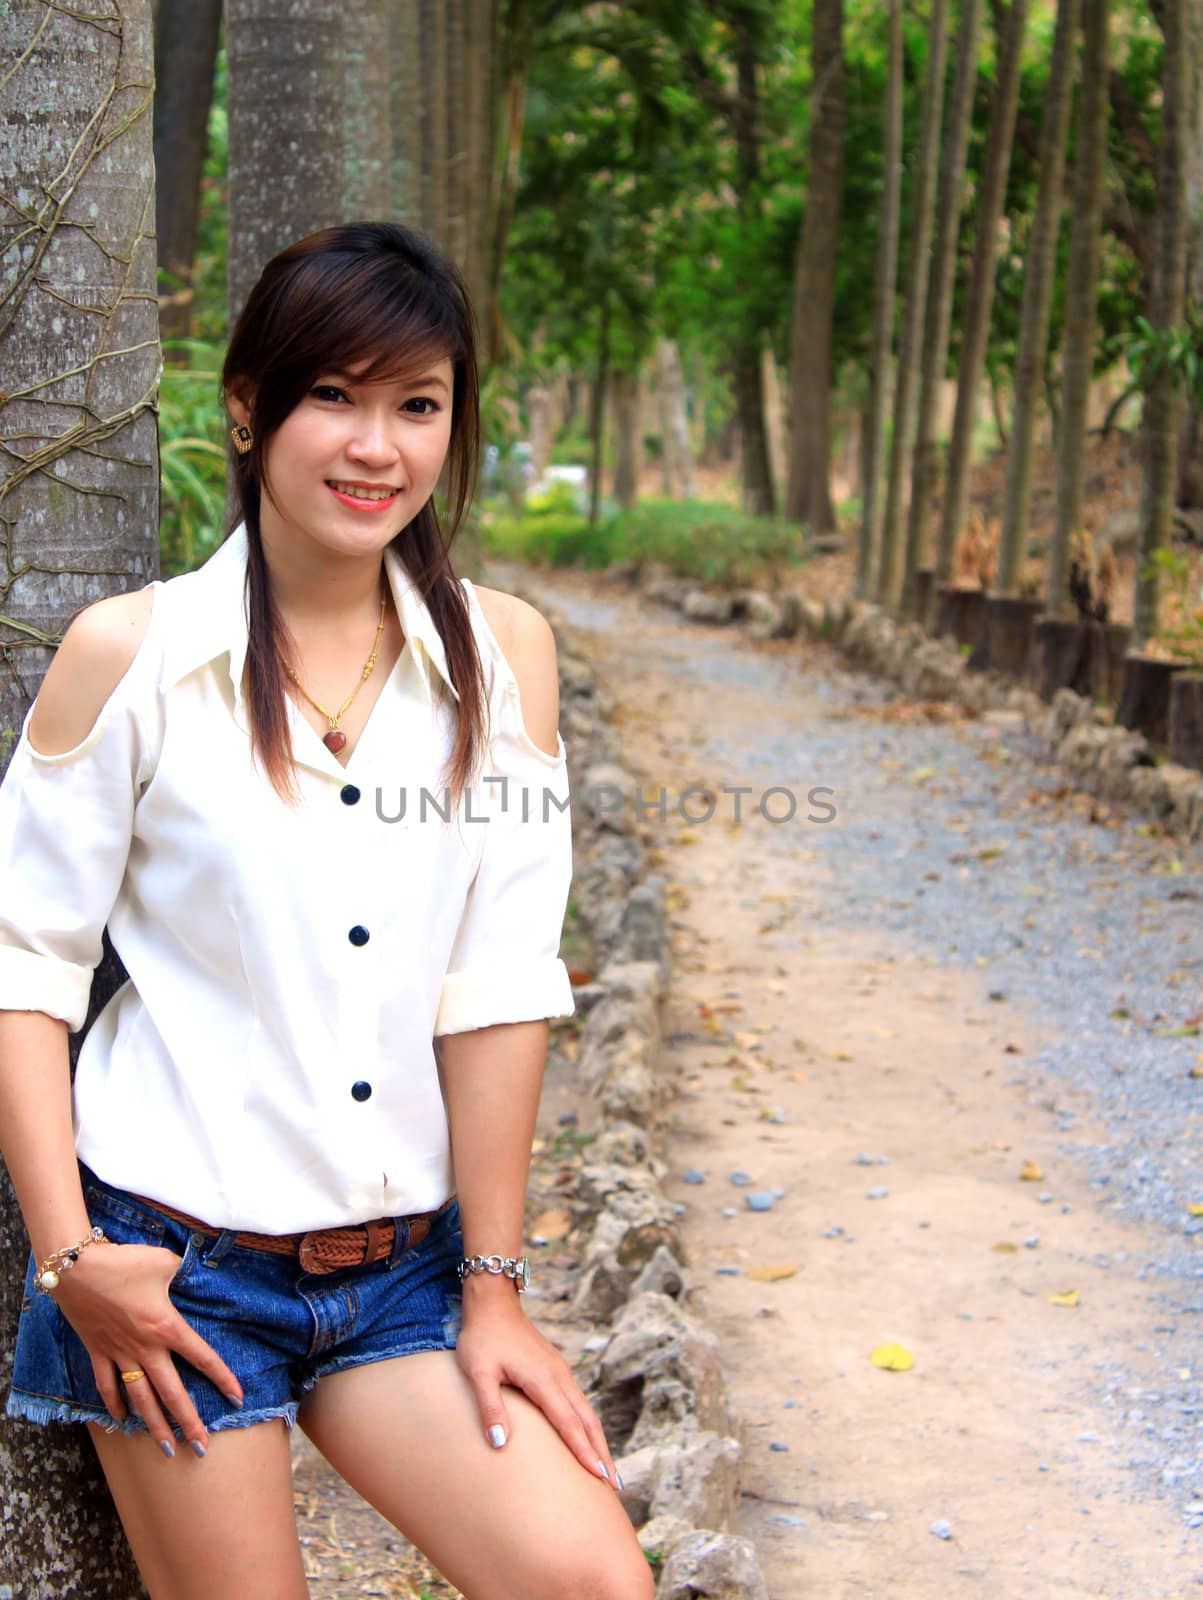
[(1077, 360), (405, 111), (925, 467), (873, 445), (186, 35), (456, 100), (434, 119), (914, 304), (1163, 395), (80, 502), (808, 487), (980, 298), (368, 145), (1041, 260)]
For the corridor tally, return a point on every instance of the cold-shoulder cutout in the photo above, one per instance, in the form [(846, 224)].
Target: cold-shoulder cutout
[(526, 645), (97, 652)]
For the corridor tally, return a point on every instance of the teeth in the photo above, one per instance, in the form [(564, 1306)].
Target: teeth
[(360, 493)]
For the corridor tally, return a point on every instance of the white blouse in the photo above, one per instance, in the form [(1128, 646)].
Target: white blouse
[(270, 1064)]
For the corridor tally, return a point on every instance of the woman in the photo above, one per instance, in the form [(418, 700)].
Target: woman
[(247, 1213)]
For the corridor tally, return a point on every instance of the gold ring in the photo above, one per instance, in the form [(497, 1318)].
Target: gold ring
[(132, 1375)]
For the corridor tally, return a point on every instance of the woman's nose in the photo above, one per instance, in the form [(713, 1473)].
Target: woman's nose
[(373, 439)]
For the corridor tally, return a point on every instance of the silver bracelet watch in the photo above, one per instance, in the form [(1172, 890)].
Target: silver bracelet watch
[(516, 1267)]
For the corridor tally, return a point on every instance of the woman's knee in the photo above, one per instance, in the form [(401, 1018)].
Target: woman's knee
[(600, 1575)]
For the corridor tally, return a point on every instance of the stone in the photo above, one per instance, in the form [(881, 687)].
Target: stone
[(760, 1200), (659, 1372), (700, 606), (697, 1478), (707, 1565), (663, 1274)]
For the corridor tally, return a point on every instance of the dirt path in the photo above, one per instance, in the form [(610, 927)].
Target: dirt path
[(889, 1099)]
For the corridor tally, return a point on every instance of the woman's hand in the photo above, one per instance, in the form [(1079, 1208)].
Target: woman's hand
[(499, 1344), (116, 1299)]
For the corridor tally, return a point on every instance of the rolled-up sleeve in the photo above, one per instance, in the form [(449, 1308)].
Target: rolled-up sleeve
[(65, 827), (505, 964)]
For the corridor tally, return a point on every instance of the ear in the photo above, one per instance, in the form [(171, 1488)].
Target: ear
[(238, 402)]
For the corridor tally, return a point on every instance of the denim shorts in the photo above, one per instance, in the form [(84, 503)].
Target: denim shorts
[(279, 1329)]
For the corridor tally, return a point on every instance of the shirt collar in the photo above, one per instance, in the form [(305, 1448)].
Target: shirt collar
[(215, 621)]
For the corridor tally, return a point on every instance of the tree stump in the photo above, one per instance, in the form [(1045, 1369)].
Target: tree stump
[(959, 613), (1061, 656), (1108, 646), (1007, 626), (1186, 719), (1144, 702)]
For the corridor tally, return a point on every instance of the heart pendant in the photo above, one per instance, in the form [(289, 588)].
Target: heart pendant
[(334, 740)]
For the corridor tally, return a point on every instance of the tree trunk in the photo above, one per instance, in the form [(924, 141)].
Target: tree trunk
[(287, 141), (628, 438), (808, 487), (755, 467), (774, 414), (873, 436), (597, 409), (405, 111), (434, 119), (1040, 262), (79, 350), (675, 448), (1190, 453), (1163, 394), (367, 135), (1081, 293), (515, 73), (980, 297), (186, 35), (914, 303), (456, 100), (925, 470)]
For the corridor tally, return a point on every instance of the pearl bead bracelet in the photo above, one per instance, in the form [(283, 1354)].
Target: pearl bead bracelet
[(63, 1260)]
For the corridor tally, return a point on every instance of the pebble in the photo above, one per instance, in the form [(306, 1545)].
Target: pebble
[(1032, 1241), (1044, 1199), (832, 1232), (727, 1272), (941, 1529), (762, 1200), (789, 1404), (567, 1118), (729, 1211), (777, 1445), (740, 1179), (693, 1175), (876, 1194), (790, 1522), (775, 1114), (679, 1210)]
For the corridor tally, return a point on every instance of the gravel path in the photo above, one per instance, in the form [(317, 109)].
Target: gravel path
[(954, 843)]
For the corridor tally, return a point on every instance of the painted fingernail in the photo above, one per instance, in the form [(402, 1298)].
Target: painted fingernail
[(198, 1447), (497, 1436), (618, 1479), (235, 1400), (602, 1468), (166, 1446)]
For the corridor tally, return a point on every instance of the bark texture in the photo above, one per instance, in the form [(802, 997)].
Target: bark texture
[(628, 437), (675, 450), (186, 35), (873, 438), (1077, 362), (367, 108), (1041, 262), (755, 466), (980, 297), (405, 111), (79, 521), (914, 305), (808, 488)]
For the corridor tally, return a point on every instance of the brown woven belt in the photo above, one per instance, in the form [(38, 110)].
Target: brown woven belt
[(324, 1249)]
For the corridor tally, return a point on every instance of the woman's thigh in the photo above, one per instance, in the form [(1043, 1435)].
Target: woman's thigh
[(218, 1529), (526, 1520)]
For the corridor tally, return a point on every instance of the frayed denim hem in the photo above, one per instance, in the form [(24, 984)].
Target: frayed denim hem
[(349, 1363), (41, 1409)]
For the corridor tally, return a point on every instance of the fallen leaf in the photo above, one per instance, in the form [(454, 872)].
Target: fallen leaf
[(551, 1224), (1068, 1298), (775, 1270), (1195, 1209), (892, 1358), (1030, 1172), (1005, 1247)]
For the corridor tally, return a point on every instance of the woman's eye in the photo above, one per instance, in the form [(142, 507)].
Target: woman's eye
[(424, 400), (327, 391)]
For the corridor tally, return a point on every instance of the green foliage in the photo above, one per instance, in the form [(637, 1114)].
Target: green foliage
[(1185, 634), (192, 459), (1180, 349), (713, 543)]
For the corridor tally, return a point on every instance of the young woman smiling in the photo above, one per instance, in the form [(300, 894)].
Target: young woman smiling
[(288, 1183)]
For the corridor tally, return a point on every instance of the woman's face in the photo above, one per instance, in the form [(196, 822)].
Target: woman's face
[(355, 462)]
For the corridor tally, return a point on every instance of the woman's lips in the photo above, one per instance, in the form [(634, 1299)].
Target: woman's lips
[(357, 504)]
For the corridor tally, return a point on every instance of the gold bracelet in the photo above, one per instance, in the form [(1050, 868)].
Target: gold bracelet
[(62, 1260)]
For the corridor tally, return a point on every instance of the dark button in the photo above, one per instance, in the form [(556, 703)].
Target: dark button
[(361, 1091), (197, 1239), (348, 794), (359, 935)]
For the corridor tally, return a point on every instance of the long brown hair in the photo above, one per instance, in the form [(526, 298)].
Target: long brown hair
[(379, 293)]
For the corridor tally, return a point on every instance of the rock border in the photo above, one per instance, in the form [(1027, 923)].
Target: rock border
[(653, 1376), (1103, 758)]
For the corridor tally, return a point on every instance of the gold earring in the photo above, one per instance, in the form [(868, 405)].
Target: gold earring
[(243, 438)]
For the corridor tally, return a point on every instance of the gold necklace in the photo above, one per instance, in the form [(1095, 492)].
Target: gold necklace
[(336, 738)]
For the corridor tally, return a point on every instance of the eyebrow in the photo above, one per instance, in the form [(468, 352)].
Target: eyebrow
[(430, 381)]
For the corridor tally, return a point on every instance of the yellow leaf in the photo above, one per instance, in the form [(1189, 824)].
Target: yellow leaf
[(686, 837), (1068, 1298), (1030, 1172), (892, 1358), (1005, 1247), (1195, 1209), (775, 1270)]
